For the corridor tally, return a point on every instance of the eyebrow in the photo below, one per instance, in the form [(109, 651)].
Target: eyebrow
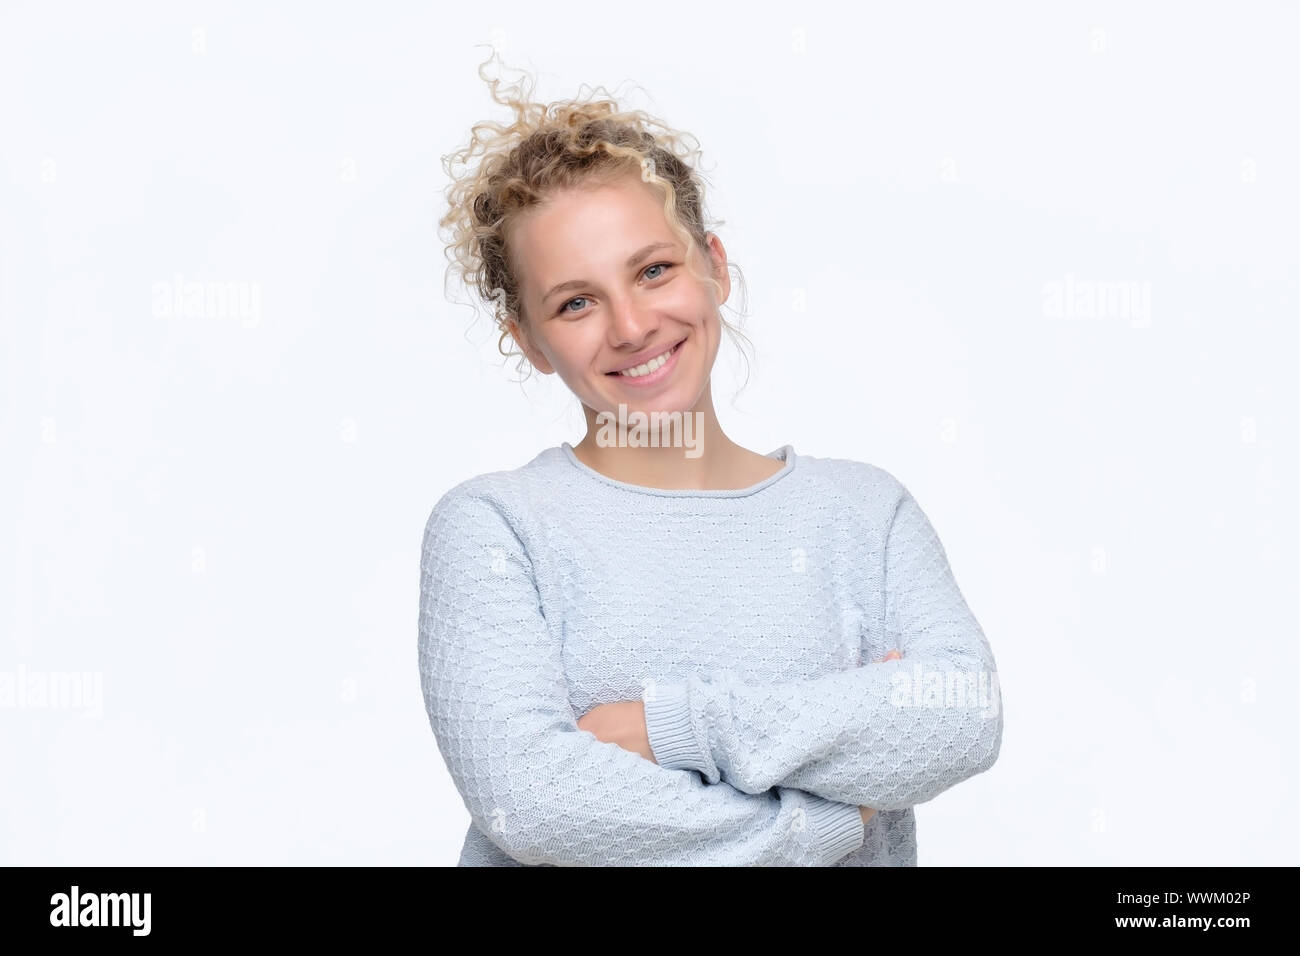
[(632, 260)]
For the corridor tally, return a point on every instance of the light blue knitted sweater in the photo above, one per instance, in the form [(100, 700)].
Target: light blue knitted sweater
[(749, 621)]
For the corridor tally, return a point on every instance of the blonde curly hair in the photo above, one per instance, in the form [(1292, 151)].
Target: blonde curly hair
[(590, 140)]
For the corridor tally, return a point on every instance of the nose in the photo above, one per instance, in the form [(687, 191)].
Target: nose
[(630, 325)]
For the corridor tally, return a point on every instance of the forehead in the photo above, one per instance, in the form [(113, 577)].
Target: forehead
[(589, 227)]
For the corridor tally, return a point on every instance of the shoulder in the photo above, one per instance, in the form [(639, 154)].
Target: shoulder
[(497, 500), (861, 482), (880, 503)]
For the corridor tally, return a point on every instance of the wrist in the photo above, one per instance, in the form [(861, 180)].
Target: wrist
[(839, 827), (670, 730)]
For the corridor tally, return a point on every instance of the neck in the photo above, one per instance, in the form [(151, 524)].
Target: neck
[(694, 454)]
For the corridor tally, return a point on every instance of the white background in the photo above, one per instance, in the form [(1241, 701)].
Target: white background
[(220, 520)]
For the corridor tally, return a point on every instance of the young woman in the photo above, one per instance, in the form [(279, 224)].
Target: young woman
[(673, 651)]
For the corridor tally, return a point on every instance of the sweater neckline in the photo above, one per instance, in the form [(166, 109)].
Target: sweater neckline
[(785, 453)]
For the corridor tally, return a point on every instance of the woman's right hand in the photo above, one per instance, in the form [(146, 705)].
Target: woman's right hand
[(868, 812)]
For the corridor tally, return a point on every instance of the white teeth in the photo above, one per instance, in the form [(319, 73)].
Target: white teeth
[(648, 367)]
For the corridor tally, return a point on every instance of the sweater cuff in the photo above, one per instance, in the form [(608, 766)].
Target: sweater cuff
[(668, 728), (838, 826)]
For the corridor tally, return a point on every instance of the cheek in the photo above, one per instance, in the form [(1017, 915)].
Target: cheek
[(575, 350), (695, 306)]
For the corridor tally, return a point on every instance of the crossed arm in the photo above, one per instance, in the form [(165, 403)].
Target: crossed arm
[(886, 735), (623, 723), (807, 762)]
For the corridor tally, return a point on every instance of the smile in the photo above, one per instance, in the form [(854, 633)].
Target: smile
[(652, 370)]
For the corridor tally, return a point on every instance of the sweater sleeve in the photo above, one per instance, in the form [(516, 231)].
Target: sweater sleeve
[(883, 735), (541, 789)]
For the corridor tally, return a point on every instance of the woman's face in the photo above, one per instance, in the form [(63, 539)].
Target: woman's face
[(596, 298)]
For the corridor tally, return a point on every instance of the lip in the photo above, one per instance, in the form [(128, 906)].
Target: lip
[(662, 372), (645, 356)]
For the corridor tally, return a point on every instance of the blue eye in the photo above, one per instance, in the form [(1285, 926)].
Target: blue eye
[(582, 298)]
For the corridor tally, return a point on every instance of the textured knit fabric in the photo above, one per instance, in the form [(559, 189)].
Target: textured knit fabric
[(750, 622)]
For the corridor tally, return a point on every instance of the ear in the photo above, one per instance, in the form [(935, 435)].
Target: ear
[(533, 355), (718, 260)]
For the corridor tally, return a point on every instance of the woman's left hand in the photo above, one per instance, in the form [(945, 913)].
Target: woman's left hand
[(621, 722)]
